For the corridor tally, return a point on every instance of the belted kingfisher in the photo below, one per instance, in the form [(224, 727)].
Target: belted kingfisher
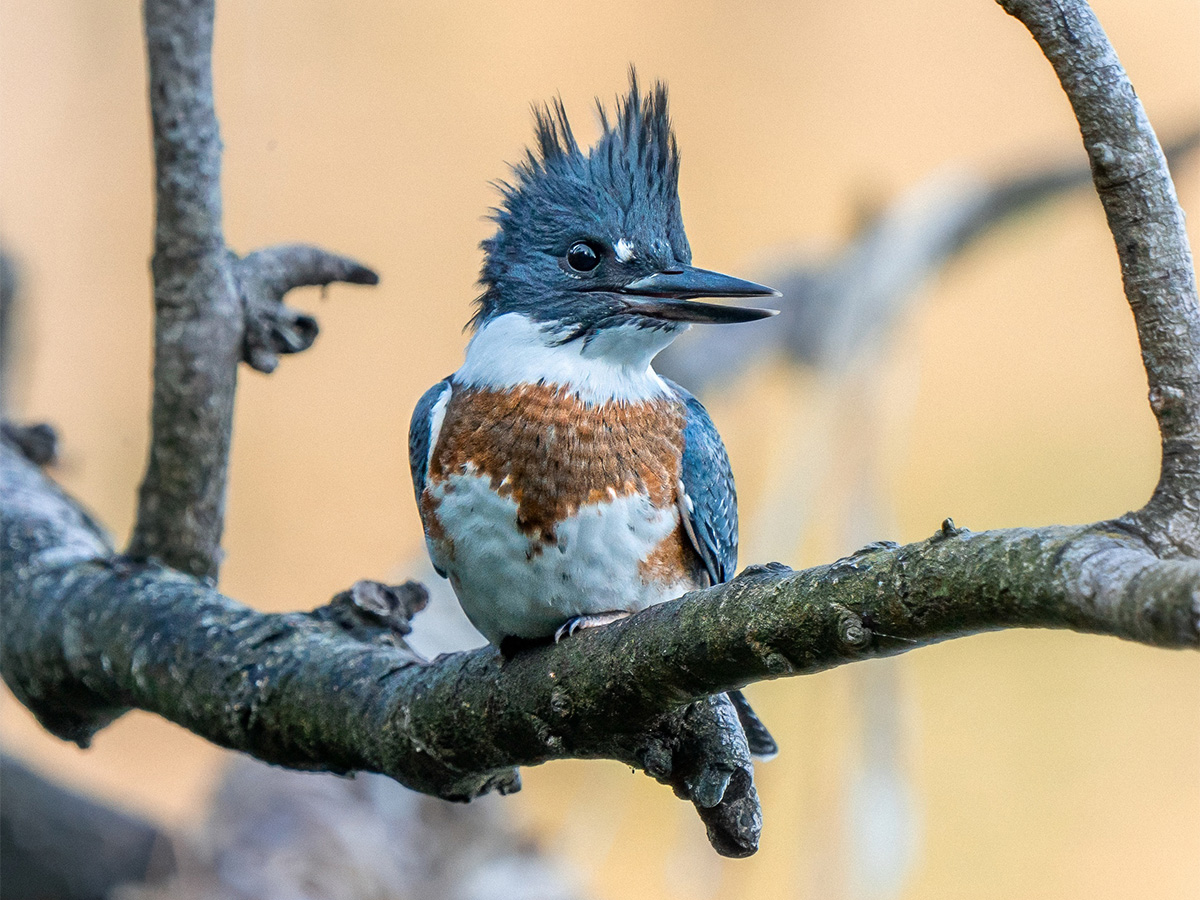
[(561, 482)]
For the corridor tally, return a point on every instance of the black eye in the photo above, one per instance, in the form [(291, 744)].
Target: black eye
[(582, 257)]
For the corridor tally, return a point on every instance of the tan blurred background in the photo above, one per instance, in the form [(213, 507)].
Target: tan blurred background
[(1040, 764)]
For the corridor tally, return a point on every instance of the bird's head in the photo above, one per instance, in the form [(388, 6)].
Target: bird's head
[(592, 243)]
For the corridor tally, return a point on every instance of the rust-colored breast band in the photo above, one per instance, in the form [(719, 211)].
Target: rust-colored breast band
[(551, 453)]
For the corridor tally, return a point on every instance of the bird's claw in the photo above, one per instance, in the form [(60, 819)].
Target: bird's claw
[(570, 626)]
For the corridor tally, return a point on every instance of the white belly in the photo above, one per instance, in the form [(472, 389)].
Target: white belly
[(512, 584)]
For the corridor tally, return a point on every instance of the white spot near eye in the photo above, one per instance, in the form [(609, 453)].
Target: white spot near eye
[(624, 250)]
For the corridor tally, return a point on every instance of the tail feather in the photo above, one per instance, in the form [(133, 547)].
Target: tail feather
[(761, 744)]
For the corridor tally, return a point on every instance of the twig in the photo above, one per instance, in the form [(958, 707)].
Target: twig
[(265, 276)]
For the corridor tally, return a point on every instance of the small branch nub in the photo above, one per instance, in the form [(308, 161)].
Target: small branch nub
[(264, 278)]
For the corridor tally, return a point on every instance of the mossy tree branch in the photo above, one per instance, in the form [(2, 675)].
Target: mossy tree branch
[(90, 634)]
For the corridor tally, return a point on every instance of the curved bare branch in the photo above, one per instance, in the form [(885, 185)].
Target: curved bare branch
[(1147, 223)]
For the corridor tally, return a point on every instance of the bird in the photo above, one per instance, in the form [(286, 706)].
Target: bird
[(561, 482)]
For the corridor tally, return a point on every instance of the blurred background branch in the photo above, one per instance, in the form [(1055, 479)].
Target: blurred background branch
[(841, 307), (58, 845)]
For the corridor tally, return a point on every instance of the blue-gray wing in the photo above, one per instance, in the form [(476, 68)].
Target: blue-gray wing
[(709, 501), (422, 433), (710, 506)]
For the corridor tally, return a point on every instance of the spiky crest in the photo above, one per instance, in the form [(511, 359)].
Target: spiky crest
[(626, 184)]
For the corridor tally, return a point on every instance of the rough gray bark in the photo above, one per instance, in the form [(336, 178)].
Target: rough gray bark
[(1144, 215), (90, 634), (212, 310), (89, 637)]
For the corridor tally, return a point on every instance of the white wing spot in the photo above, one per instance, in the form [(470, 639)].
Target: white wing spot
[(437, 414)]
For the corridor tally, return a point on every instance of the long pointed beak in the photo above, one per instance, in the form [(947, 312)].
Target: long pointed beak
[(668, 295)]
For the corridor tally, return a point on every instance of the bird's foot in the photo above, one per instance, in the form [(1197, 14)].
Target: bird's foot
[(570, 626)]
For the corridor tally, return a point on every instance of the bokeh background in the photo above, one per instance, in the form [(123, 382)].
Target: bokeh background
[(1021, 764)]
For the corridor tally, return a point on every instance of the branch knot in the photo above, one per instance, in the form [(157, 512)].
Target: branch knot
[(37, 443), (852, 630), (1165, 398), (375, 612)]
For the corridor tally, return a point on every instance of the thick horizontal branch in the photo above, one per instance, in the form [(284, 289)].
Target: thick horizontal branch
[(89, 636)]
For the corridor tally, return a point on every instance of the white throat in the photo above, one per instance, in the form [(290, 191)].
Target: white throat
[(511, 349)]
